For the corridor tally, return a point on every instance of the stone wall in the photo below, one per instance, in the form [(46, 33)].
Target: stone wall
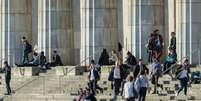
[(103, 33), (141, 17), (15, 22), (81, 28)]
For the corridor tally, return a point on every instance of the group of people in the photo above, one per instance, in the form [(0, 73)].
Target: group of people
[(155, 45), (38, 59), (130, 79)]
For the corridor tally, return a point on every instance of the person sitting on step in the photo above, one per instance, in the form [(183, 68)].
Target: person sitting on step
[(56, 60)]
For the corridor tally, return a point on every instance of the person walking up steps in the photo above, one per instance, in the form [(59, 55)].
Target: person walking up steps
[(143, 83), (156, 73), (27, 48), (183, 78)]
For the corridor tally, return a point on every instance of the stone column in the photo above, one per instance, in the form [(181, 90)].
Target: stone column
[(188, 23), (15, 22), (76, 30), (55, 28), (141, 17), (99, 27)]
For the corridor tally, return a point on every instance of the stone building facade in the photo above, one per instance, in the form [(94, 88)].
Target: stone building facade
[(81, 28)]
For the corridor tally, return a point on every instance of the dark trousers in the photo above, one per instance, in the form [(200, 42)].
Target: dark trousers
[(51, 64), (93, 86), (117, 85), (130, 99), (8, 85), (26, 64), (151, 54), (142, 93), (122, 87), (155, 79), (183, 84), (25, 58)]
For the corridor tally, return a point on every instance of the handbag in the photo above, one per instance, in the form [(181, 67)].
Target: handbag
[(135, 93), (111, 78)]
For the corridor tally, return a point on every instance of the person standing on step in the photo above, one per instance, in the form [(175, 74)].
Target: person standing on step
[(156, 74), (173, 42), (159, 44), (150, 47), (139, 68), (129, 89), (183, 78), (118, 76), (7, 70), (27, 48), (142, 83), (93, 77)]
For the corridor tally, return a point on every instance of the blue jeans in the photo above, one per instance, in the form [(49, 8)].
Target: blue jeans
[(142, 93), (25, 58)]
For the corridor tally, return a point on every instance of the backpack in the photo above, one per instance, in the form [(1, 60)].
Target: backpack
[(158, 69), (135, 93), (110, 77)]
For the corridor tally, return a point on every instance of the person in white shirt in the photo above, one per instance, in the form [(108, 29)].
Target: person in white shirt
[(128, 89), (142, 84), (184, 78), (93, 77)]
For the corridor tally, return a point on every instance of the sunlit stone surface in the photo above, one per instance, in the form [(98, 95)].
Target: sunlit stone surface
[(79, 29)]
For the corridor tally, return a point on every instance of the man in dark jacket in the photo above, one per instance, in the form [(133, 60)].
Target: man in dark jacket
[(56, 60), (159, 44), (7, 70), (131, 60), (42, 61), (139, 68), (173, 41), (27, 48), (93, 77)]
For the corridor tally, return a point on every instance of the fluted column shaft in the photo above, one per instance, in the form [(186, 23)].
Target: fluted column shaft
[(55, 28), (188, 23), (15, 22), (99, 27), (141, 17)]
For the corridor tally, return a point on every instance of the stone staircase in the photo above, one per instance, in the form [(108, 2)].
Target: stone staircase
[(50, 87)]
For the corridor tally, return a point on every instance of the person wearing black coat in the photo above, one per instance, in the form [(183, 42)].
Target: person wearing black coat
[(139, 68), (56, 60), (27, 48), (104, 58), (93, 77), (131, 60), (7, 70), (43, 61), (173, 41)]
